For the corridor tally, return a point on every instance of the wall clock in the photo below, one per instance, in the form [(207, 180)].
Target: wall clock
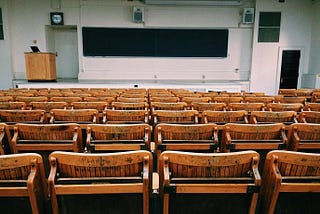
[(56, 18)]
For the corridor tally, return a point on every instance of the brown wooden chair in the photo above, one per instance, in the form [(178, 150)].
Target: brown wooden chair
[(312, 107), (11, 117), (223, 117), (305, 92), (177, 117), (301, 100), (290, 92), (22, 175), (237, 137), (27, 100), (168, 106), (47, 106), (100, 106), (68, 99), (118, 137), (81, 116), (249, 107), (195, 138), (125, 116), (48, 137), (264, 99), (304, 137), (290, 172), (183, 174), (13, 105), (133, 95), (109, 100), (285, 117), (132, 99), (6, 99), (5, 138), (130, 106), (164, 99), (227, 99), (284, 107), (190, 100), (309, 117), (200, 107), (101, 174)]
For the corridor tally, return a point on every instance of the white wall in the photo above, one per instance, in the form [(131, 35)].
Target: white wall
[(5, 51), (296, 16)]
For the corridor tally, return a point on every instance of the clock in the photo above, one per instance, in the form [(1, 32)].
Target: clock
[(56, 18)]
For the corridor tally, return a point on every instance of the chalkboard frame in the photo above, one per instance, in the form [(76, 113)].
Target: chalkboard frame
[(154, 42)]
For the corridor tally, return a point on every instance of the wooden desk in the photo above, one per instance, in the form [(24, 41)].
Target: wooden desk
[(40, 66)]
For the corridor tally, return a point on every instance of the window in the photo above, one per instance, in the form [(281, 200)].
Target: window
[(1, 26), (269, 26)]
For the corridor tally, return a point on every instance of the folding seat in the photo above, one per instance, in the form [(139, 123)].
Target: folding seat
[(309, 117), (22, 177), (130, 106), (81, 116), (132, 99), (223, 117), (227, 99), (284, 107), (286, 176), (103, 180), (164, 99), (27, 100), (264, 99), (125, 116), (312, 107), (290, 92), (13, 105), (249, 107), (177, 117), (304, 137), (286, 117), (209, 182), (11, 117)]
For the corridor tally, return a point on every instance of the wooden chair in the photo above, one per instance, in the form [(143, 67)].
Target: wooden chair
[(301, 100), (305, 92), (130, 106), (69, 100), (133, 95), (6, 99), (164, 99), (125, 116), (304, 137), (118, 137), (48, 137), (22, 175), (264, 99), (13, 105), (177, 117), (132, 99), (100, 106), (237, 137), (223, 117), (101, 174), (27, 100), (109, 100), (81, 116), (249, 107), (5, 138), (227, 99), (284, 107), (285, 117), (203, 175), (22, 116), (315, 97), (309, 117), (198, 137), (190, 100), (290, 172), (312, 107), (290, 92), (200, 107)]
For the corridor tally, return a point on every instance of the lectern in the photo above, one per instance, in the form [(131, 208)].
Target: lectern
[(40, 66)]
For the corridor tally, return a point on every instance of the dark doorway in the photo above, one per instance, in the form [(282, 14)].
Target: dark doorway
[(290, 68)]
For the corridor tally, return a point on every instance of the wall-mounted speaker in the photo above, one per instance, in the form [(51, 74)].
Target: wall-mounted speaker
[(138, 14), (248, 16)]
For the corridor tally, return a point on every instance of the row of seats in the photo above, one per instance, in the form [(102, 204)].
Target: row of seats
[(180, 173)]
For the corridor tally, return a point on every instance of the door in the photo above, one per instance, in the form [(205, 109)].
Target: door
[(66, 47), (290, 68)]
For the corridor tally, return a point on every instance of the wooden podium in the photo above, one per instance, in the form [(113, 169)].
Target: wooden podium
[(40, 66)]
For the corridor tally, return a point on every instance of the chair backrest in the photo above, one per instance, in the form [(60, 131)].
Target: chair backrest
[(227, 99), (254, 99), (100, 106), (47, 106), (118, 137), (286, 117), (49, 137), (312, 107), (109, 100), (223, 117), (210, 173), (83, 116), (304, 136), (197, 137), (165, 99), (132, 99), (249, 107), (6, 99), (130, 106), (27, 100), (168, 106), (309, 117), (200, 107), (69, 100), (125, 116), (178, 117), (288, 92), (285, 107), (190, 100), (22, 116), (22, 175), (12, 105), (301, 100), (290, 172), (253, 136), (104, 173)]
